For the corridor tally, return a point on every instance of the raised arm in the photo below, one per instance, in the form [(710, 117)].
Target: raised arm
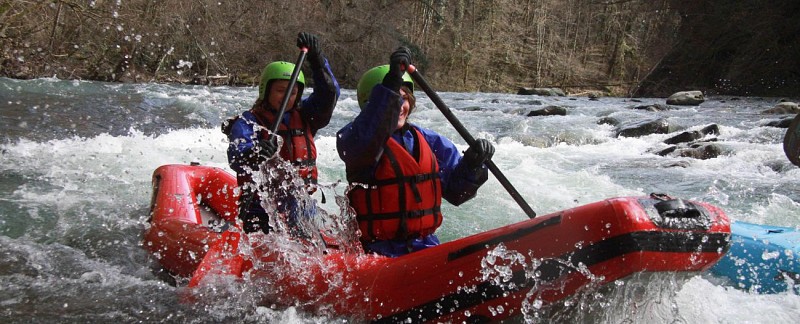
[(317, 108)]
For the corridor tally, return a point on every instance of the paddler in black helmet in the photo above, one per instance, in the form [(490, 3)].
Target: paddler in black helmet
[(400, 171), (249, 132)]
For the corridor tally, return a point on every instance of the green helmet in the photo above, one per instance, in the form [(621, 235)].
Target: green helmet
[(373, 77), (279, 70)]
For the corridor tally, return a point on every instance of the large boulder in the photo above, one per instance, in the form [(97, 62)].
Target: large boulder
[(686, 98)]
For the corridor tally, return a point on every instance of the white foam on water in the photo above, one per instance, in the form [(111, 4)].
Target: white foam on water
[(87, 198), (700, 301)]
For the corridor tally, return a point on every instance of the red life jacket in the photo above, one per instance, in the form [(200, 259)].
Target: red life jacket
[(298, 147), (404, 198)]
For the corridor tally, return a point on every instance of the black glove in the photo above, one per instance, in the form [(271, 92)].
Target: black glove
[(266, 148), (479, 152), (398, 63), (311, 42)]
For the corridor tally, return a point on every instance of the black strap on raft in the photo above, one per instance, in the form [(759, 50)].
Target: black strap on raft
[(674, 213), (660, 196), (672, 207), (677, 208)]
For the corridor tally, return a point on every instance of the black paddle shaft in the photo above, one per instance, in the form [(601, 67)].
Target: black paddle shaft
[(285, 101), (470, 140)]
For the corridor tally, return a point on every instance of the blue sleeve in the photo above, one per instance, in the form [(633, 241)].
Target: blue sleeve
[(360, 143), (459, 183), (241, 142), (317, 108)]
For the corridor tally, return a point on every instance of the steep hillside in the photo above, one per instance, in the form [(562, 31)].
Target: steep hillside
[(746, 47)]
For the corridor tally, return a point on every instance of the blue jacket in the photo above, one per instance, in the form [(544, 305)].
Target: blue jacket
[(316, 110), (360, 145)]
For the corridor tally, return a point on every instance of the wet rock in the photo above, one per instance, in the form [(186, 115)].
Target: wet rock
[(647, 127), (686, 98), (593, 95), (549, 111), (653, 107), (703, 150), (541, 91), (667, 151), (473, 108), (692, 136), (779, 123), (608, 121), (786, 107), (780, 166)]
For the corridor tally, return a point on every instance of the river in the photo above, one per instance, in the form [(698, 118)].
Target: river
[(77, 158)]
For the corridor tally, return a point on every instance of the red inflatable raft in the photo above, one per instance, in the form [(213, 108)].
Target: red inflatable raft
[(486, 276)]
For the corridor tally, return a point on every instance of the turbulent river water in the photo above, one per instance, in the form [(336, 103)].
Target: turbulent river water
[(76, 160)]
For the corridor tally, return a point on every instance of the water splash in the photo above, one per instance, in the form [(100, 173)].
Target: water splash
[(644, 297), (291, 265)]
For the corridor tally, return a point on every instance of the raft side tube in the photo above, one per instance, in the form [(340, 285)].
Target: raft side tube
[(184, 200)]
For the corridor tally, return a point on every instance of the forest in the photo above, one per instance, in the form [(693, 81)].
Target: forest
[(617, 47)]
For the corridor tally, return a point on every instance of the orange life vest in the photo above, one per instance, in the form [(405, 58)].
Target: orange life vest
[(298, 147), (404, 198)]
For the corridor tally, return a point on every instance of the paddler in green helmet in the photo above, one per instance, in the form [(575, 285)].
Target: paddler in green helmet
[(400, 171), (249, 132)]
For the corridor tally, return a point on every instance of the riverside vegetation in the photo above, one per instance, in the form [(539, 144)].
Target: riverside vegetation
[(619, 47)]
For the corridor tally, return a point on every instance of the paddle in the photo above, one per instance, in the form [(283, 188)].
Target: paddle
[(791, 142), (412, 70)]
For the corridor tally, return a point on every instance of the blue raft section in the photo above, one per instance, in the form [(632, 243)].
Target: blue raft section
[(762, 259)]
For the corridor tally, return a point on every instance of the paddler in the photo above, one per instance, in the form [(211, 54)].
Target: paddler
[(400, 171), (249, 132)]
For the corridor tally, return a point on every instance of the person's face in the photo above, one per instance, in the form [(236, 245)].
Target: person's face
[(403, 109), (276, 91)]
